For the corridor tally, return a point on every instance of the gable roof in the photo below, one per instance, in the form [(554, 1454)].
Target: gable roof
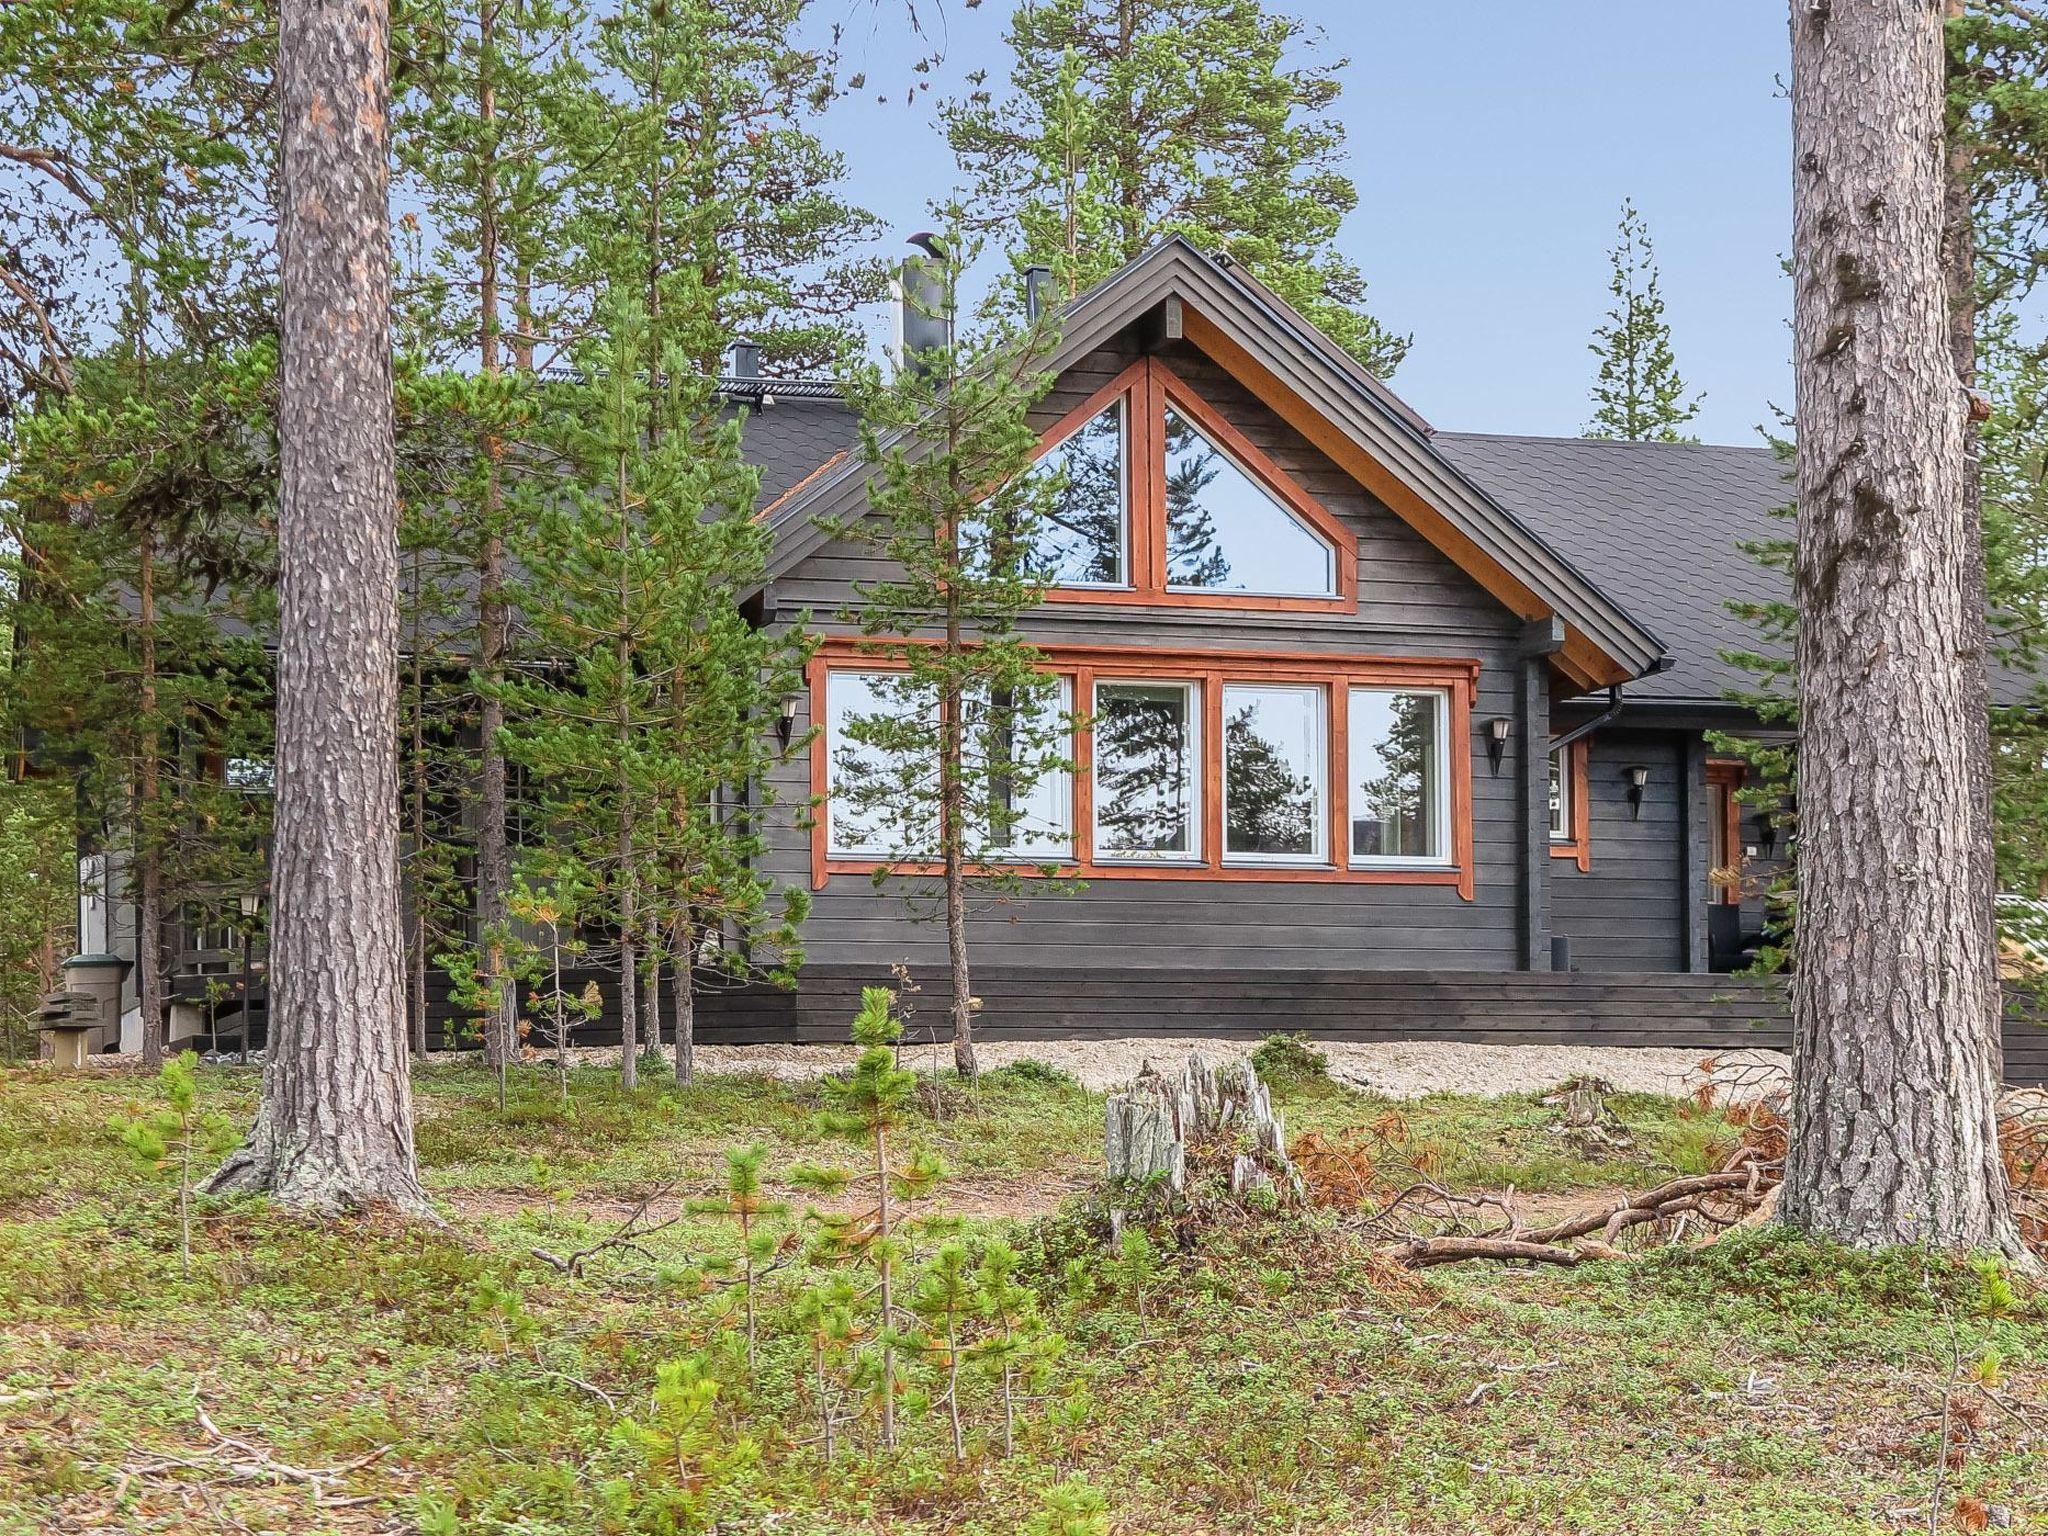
[(1663, 524), (1361, 424)]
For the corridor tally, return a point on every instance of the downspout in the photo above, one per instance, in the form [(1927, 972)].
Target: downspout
[(1614, 707), (1580, 732)]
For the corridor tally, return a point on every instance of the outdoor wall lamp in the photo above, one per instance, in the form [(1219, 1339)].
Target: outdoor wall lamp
[(1497, 730), (785, 723), (1638, 778), (1767, 833)]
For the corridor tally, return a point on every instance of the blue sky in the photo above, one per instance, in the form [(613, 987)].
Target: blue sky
[(1492, 143)]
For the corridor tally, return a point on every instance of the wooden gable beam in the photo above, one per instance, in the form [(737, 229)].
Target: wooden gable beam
[(1580, 659)]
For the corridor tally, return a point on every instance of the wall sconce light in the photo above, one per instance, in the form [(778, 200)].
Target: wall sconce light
[(785, 723), (1767, 833), (1497, 731), (1638, 778)]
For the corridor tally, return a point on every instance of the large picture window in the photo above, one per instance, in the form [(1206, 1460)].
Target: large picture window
[(1226, 765), (1163, 500), (872, 721), (1274, 768), (880, 740), (1399, 790), (1147, 770)]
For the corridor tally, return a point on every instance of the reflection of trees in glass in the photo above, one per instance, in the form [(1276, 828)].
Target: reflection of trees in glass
[(881, 774), (1393, 809), (883, 771), (1143, 761), (1270, 807), (1194, 551), (1081, 536)]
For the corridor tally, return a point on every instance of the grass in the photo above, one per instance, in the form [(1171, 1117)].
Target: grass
[(1278, 1379)]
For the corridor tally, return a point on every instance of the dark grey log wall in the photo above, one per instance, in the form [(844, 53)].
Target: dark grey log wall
[(1412, 602), (1627, 912)]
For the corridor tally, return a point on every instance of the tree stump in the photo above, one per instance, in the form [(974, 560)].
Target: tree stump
[(1159, 1127)]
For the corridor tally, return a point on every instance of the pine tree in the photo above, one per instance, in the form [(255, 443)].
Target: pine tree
[(334, 1128), (967, 723), (1129, 120), (478, 138), (699, 157), (133, 182), (1894, 1134), (1638, 395), (656, 706)]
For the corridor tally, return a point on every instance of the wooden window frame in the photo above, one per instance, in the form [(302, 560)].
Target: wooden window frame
[(1577, 844), (1146, 388), (1730, 775), (1336, 674)]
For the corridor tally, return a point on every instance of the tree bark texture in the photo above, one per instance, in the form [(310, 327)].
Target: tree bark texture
[(149, 878), (335, 1127), (650, 985), (1959, 276), (1895, 1004), (684, 961)]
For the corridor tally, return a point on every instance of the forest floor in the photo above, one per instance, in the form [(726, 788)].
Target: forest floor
[(1268, 1374)]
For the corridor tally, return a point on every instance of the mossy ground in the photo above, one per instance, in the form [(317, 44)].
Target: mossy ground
[(1278, 1380)]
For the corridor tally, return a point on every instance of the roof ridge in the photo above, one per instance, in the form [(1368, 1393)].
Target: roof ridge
[(1604, 442)]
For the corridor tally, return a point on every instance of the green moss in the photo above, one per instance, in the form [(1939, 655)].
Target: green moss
[(1274, 1382)]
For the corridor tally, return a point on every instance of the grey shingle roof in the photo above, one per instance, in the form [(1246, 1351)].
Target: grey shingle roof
[(1658, 526), (789, 439)]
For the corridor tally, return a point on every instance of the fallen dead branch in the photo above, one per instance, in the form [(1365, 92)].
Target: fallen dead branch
[(626, 1235)]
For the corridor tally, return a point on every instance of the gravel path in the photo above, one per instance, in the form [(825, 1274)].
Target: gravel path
[(1403, 1070)]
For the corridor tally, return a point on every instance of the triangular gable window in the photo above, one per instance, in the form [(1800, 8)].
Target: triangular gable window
[(1226, 533), (1163, 501), (1083, 540)]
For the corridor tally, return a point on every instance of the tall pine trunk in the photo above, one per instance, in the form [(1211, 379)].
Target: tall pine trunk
[(493, 856), (684, 958), (335, 1126), (952, 840), (1959, 275), (1895, 1001), (650, 982), (149, 881), (629, 912), (416, 812)]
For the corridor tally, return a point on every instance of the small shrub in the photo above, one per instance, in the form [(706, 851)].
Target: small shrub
[(1026, 1072), (1288, 1061), (1075, 1507)]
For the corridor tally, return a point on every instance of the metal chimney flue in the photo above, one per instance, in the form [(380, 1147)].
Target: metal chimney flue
[(924, 302), (746, 360), (1037, 283)]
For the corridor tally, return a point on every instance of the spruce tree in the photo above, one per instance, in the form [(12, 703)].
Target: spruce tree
[(966, 723), (1638, 395), (1126, 121)]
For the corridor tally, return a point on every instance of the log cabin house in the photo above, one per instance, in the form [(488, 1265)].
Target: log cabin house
[(1492, 667)]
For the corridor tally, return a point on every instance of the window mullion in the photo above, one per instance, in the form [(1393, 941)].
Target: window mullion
[(1212, 771)]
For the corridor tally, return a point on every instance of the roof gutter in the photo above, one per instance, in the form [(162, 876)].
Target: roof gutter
[(1615, 704), (1580, 732)]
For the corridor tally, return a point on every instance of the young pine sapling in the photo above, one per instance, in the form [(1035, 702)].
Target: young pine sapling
[(742, 1201), (866, 1105), (944, 1301), (168, 1137)]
